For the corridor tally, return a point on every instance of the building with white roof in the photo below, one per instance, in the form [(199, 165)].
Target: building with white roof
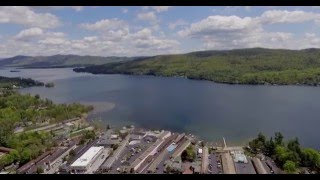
[(87, 159), (239, 157)]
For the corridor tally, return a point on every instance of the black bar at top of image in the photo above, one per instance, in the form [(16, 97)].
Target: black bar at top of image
[(160, 2)]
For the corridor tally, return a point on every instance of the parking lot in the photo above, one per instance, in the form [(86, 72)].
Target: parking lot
[(214, 164), (245, 168), (130, 153)]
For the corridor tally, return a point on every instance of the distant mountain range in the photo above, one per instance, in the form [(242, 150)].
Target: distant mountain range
[(238, 66), (59, 61)]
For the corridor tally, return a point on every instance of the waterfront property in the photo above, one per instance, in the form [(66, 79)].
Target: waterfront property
[(86, 160), (227, 163), (258, 166)]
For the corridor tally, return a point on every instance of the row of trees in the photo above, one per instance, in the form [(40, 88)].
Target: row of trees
[(8, 82), (288, 155)]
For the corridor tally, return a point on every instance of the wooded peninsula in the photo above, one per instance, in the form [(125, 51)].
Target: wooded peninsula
[(239, 66)]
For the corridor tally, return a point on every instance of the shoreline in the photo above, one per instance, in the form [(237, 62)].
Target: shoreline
[(195, 79)]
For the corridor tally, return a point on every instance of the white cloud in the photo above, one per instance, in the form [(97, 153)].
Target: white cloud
[(148, 16), (227, 32), (157, 9), (125, 10), (312, 39), (77, 8), (218, 24), (117, 41), (179, 22), (25, 16), (53, 41), (29, 33), (283, 16), (90, 38), (108, 37), (104, 25)]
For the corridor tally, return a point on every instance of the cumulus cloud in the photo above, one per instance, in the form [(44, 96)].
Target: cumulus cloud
[(283, 16), (76, 8), (28, 34), (104, 25), (125, 10), (108, 37), (147, 16), (25, 16), (157, 9), (218, 24), (227, 32), (115, 41), (179, 22)]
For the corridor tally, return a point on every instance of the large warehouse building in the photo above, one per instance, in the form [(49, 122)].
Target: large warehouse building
[(87, 159)]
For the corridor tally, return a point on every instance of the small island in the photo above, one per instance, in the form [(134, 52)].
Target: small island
[(49, 85)]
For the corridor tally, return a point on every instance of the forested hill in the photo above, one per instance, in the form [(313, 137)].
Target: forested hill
[(239, 66), (59, 61)]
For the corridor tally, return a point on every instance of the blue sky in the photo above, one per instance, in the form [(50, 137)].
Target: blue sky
[(136, 31)]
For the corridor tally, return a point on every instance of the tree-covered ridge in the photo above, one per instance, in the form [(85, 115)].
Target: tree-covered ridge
[(59, 61), (242, 66), (7, 82), (288, 155), (18, 110)]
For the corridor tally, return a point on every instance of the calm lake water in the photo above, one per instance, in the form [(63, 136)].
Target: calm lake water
[(206, 109)]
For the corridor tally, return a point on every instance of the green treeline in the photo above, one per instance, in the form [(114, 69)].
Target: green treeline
[(29, 111), (288, 155), (242, 66), (7, 82)]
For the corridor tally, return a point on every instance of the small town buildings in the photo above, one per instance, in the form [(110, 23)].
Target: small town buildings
[(257, 164), (183, 145), (227, 163), (87, 159), (115, 156), (239, 157)]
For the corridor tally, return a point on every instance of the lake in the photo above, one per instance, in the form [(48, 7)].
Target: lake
[(206, 109)]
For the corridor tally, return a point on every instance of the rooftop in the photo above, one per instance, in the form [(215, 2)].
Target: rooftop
[(85, 159)]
